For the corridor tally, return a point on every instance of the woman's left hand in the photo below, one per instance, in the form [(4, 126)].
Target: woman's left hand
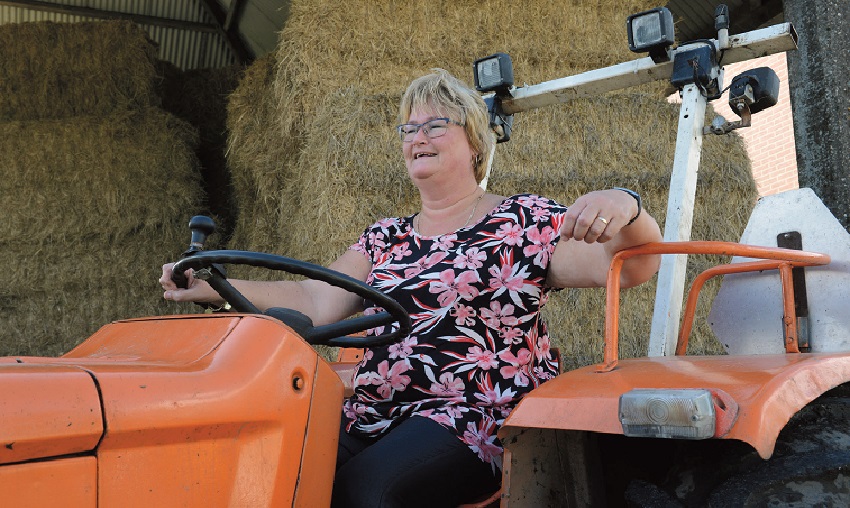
[(599, 215)]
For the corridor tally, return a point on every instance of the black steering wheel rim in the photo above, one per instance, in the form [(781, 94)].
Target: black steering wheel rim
[(334, 334)]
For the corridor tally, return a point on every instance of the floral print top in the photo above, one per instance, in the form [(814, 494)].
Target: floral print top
[(478, 342)]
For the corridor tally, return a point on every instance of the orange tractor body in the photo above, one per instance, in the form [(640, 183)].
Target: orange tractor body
[(238, 410), (224, 410)]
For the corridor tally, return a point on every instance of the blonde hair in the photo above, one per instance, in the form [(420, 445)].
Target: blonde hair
[(451, 97)]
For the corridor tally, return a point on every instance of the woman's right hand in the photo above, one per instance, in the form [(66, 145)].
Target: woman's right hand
[(196, 291)]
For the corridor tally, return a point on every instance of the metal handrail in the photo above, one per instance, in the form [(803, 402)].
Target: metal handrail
[(771, 258)]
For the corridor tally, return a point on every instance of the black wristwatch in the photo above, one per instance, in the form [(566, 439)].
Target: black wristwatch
[(637, 198)]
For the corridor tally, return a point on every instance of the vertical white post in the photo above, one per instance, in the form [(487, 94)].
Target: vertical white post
[(677, 228), (483, 183)]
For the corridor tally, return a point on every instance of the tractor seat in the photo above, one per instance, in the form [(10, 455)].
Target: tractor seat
[(345, 365)]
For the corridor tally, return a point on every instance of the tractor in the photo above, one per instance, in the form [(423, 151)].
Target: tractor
[(238, 409)]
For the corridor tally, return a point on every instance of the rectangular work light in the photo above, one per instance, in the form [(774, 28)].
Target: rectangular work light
[(651, 31), (494, 73)]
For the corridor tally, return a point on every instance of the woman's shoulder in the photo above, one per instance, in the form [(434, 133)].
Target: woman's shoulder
[(529, 201), (388, 230), (390, 223)]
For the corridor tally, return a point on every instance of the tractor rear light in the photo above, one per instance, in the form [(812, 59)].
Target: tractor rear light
[(672, 414)]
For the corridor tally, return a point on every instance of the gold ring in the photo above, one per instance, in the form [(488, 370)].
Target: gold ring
[(604, 220)]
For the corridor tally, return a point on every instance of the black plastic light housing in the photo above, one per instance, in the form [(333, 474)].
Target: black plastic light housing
[(694, 66), (494, 73), (651, 31), (757, 89)]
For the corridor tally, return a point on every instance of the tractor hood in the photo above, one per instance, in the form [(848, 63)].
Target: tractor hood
[(46, 411)]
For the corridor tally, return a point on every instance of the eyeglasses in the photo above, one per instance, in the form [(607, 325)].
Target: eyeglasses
[(432, 128)]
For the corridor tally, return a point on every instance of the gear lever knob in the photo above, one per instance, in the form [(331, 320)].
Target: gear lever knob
[(202, 227)]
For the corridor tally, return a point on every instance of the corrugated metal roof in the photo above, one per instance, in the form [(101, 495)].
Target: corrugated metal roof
[(189, 47), (695, 18), (206, 40)]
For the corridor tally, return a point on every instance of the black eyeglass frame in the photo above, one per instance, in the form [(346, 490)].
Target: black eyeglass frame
[(426, 128)]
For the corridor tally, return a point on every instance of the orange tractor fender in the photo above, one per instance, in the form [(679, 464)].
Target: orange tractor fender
[(567, 434), (759, 394), (754, 395)]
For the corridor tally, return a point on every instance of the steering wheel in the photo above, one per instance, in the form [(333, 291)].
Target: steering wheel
[(334, 334)]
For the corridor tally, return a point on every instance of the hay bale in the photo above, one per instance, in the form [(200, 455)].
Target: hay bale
[(257, 156), (116, 176), (92, 207), (324, 162), (320, 52), (382, 46), (68, 291), (55, 70), (358, 166)]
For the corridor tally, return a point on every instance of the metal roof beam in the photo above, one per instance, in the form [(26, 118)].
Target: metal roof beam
[(226, 24), (89, 12), (232, 14)]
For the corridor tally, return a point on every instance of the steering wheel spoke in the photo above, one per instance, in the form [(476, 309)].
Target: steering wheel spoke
[(236, 299), (339, 334)]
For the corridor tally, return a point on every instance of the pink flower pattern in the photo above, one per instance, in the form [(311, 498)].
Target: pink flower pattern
[(478, 342)]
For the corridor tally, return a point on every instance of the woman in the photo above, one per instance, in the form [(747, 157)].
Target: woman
[(473, 269)]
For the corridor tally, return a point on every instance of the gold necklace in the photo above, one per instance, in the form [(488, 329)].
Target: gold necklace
[(471, 214)]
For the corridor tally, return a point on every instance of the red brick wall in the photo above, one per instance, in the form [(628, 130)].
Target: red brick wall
[(770, 140)]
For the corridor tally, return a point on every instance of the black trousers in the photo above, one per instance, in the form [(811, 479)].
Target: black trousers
[(418, 463)]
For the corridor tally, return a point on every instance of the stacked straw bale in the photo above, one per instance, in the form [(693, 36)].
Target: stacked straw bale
[(57, 70), (93, 203), (257, 156), (325, 162)]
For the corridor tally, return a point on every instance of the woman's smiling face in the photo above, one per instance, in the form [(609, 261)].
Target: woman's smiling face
[(426, 156)]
